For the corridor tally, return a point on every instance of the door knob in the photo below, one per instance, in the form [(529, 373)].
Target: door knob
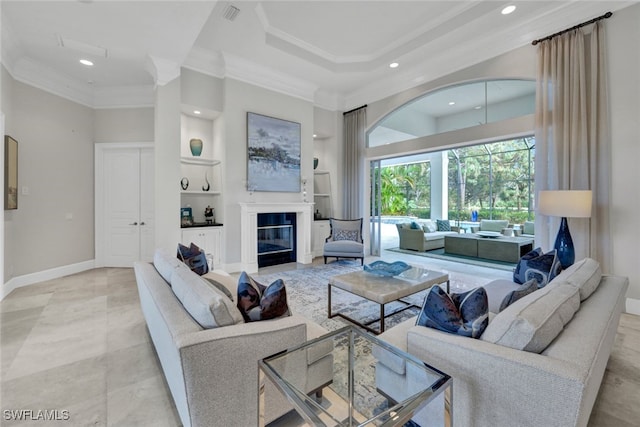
[(135, 223)]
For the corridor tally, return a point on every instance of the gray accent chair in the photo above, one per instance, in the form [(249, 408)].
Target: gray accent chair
[(345, 240), (527, 229)]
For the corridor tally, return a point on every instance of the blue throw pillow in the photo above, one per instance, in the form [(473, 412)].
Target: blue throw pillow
[(465, 314), (443, 225), (539, 266), (415, 225), (514, 296), (194, 258), (259, 302)]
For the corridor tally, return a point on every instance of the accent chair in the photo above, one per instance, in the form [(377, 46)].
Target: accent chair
[(345, 240)]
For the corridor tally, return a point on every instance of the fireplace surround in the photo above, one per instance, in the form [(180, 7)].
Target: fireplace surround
[(249, 231)]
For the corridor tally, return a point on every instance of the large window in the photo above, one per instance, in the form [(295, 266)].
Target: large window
[(485, 181), (455, 107), (493, 180)]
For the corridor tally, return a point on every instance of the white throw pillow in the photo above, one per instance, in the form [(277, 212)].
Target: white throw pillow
[(533, 322), (165, 263), (207, 305), (584, 274)]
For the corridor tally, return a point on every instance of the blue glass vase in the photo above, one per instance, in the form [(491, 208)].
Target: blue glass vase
[(564, 245)]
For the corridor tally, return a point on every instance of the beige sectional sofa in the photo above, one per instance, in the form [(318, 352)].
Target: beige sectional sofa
[(540, 361), (425, 238), (212, 371)]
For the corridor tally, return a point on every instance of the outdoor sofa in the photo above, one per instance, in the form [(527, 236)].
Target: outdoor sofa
[(423, 236)]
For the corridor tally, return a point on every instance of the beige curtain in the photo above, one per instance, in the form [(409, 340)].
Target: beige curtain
[(355, 123), (572, 136)]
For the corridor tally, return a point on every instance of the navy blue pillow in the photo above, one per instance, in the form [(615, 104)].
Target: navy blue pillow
[(259, 302), (514, 296), (539, 266), (443, 225), (415, 225), (194, 258), (465, 314)]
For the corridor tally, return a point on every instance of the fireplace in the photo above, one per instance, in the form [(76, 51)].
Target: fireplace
[(249, 231), (276, 238)]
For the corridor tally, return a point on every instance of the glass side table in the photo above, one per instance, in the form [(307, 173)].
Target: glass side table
[(354, 397)]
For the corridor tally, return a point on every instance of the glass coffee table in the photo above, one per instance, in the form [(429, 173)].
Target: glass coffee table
[(384, 290), (353, 397)]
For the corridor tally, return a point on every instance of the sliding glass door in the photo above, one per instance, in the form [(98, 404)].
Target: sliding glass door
[(375, 201)]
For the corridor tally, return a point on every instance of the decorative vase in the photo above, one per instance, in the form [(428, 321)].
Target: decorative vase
[(184, 183), (208, 186), (315, 163), (195, 144)]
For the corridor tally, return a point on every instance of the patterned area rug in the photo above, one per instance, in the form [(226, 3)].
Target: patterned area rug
[(307, 295)]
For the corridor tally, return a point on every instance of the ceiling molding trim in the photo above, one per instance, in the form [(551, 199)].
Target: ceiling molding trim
[(206, 62), (328, 100), (250, 72), (38, 75), (162, 70)]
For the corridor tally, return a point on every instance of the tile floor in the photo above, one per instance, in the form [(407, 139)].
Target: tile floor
[(80, 344)]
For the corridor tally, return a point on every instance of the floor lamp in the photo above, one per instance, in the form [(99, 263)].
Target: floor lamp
[(565, 204)]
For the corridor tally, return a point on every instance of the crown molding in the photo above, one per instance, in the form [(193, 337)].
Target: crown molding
[(250, 72), (162, 70), (38, 75), (206, 62)]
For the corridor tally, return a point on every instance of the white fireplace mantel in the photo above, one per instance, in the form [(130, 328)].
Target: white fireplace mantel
[(249, 231)]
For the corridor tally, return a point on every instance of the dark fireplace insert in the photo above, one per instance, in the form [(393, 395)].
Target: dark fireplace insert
[(276, 238)]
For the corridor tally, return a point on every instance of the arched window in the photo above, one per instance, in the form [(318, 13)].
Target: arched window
[(455, 107)]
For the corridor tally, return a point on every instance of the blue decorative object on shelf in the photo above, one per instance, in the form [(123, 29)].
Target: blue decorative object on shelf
[(564, 245), (382, 268)]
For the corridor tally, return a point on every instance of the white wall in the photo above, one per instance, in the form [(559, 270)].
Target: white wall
[(123, 125), (53, 225), (239, 99)]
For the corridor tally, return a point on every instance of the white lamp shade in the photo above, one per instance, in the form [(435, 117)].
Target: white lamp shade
[(565, 203)]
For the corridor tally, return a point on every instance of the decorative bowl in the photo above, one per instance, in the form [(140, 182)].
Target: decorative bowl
[(489, 234), (382, 268)]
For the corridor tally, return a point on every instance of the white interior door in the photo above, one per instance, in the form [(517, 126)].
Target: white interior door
[(147, 220), (125, 214)]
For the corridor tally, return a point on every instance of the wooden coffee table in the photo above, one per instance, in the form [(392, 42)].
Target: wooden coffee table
[(383, 290)]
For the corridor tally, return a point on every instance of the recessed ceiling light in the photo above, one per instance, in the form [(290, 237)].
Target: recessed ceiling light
[(196, 112), (507, 10), (86, 62), (452, 103), (393, 65), (477, 107), (315, 136)]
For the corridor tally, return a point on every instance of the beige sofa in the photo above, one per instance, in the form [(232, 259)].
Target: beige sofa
[(497, 225), (212, 372), (425, 238), (568, 334)]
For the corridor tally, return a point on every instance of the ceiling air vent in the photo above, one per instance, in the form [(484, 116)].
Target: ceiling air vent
[(230, 13)]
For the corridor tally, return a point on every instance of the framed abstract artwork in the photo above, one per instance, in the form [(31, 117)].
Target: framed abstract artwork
[(273, 154), (10, 173)]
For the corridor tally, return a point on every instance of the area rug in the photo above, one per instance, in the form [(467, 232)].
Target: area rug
[(440, 254), (307, 296)]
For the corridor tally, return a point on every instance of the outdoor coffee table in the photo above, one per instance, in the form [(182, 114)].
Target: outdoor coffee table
[(353, 397), (383, 290)]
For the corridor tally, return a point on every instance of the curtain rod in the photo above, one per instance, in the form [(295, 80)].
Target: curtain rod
[(575, 27), (355, 109)]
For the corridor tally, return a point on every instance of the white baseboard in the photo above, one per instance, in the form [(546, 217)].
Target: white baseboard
[(41, 276), (633, 306)]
